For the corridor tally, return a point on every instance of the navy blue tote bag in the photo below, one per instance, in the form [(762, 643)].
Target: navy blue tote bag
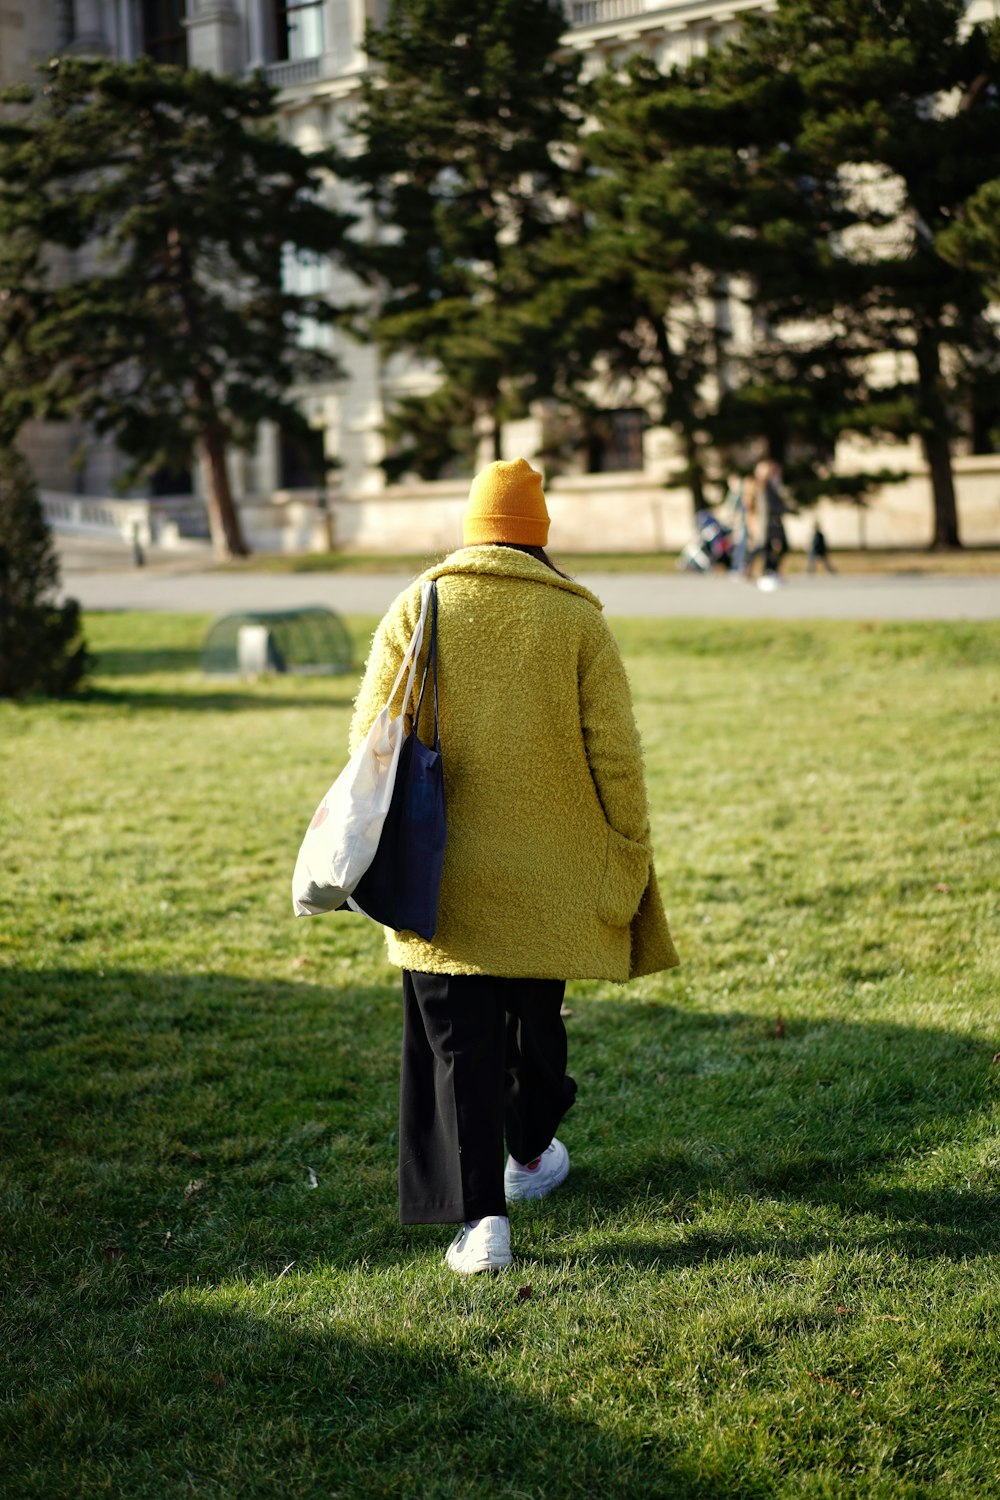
[(400, 888)]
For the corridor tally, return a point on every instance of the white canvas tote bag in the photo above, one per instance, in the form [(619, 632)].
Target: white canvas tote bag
[(341, 840)]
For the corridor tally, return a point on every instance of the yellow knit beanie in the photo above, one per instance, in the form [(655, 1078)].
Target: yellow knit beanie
[(506, 504)]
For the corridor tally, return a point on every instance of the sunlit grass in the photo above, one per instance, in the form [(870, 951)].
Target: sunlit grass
[(773, 1268)]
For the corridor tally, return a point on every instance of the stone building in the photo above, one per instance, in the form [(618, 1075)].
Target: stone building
[(313, 51)]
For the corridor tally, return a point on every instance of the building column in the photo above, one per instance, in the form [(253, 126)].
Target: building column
[(215, 36), (128, 30), (259, 43), (90, 35)]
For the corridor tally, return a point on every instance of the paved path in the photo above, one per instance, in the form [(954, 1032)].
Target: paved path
[(185, 587)]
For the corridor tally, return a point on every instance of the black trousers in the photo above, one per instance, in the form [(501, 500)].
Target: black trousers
[(774, 550), (483, 1059)]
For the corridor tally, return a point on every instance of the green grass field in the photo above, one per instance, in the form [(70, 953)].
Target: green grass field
[(773, 1270)]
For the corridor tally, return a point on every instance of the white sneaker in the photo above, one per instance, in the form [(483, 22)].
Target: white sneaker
[(768, 582), (485, 1248), (553, 1168)]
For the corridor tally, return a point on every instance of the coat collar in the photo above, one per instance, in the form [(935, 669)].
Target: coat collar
[(505, 562)]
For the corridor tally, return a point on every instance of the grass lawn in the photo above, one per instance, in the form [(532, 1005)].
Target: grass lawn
[(773, 1270)]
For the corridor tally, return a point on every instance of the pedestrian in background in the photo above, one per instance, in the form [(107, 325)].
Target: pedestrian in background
[(773, 511), (751, 510), (548, 872), (735, 510), (818, 552)]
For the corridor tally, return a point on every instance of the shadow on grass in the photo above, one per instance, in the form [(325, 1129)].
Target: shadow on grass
[(932, 1226), (217, 699), (161, 1133), (135, 662), (222, 1403), (159, 1130), (182, 1117), (205, 691)]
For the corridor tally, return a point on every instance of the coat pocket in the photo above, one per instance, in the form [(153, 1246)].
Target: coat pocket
[(626, 871)]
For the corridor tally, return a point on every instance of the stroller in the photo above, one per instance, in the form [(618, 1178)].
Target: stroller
[(711, 548)]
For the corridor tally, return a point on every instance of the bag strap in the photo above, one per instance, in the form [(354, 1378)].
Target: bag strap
[(431, 664), (412, 652)]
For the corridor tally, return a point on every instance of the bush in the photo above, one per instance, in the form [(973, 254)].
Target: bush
[(42, 651)]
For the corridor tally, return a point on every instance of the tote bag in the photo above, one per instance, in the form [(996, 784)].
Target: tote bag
[(401, 886), (342, 838)]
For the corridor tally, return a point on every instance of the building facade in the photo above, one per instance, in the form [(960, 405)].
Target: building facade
[(313, 50)]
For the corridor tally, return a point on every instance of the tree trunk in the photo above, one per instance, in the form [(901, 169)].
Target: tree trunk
[(696, 474), (937, 452), (936, 443), (677, 398), (223, 520)]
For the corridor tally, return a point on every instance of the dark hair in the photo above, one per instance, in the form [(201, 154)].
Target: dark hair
[(538, 553)]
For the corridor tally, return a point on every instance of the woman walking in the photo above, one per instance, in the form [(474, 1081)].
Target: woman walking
[(548, 872), (775, 508), (738, 509)]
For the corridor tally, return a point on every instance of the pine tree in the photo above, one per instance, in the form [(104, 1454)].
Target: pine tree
[(21, 258), (974, 241), (805, 173), (893, 114), (634, 270), (459, 132), (41, 647), (430, 435), (791, 366), (672, 222), (177, 335)]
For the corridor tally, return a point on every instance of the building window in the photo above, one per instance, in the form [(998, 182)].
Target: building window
[(163, 36), (298, 29), (614, 440), (302, 459), (168, 480)]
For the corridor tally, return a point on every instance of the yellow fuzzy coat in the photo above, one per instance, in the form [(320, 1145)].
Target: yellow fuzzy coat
[(548, 871)]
